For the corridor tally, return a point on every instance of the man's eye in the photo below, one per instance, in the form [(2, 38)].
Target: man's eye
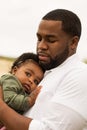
[(28, 74), (36, 82), (39, 38), (51, 40)]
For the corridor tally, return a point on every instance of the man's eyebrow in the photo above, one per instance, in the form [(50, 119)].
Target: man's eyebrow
[(48, 35)]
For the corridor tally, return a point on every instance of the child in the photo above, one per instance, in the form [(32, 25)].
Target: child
[(19, 86)]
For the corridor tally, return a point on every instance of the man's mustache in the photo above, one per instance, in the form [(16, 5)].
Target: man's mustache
[(42, 53)]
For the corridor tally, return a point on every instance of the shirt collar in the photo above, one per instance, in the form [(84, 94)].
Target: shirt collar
[(69, 60)]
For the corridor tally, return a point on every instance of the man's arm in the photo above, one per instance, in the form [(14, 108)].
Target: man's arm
[(1, 92), (15, 121)]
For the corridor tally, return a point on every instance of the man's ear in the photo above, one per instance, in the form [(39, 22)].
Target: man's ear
[(74, 42), (14, 70)]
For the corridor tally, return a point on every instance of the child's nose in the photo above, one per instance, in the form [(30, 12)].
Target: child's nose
[(31, 79)]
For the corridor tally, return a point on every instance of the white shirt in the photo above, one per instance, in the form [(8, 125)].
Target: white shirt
[(62, 102)]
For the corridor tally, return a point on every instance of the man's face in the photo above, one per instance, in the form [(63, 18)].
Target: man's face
[(53, 44)]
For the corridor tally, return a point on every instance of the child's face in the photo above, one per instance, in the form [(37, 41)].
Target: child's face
[(29, 74)]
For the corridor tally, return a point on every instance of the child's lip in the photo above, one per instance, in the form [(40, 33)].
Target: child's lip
[(27, 87)]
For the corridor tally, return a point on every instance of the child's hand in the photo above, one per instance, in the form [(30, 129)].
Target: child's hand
[(33, 95)]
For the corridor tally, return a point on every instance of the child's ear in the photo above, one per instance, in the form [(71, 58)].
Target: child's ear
[(14, 70)]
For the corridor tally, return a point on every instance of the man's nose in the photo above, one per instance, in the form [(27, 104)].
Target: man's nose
[(42, 45)]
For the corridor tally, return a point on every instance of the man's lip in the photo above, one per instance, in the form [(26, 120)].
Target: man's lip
[(43, 57), (42, 54)]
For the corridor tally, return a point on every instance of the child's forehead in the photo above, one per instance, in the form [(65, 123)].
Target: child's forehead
[(29, 61), (30, 64)]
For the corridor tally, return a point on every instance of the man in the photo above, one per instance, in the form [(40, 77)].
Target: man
[(62, 102)]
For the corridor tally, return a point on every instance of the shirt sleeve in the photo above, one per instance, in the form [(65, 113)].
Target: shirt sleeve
[(59, 118), (14, 94), (35, 124)]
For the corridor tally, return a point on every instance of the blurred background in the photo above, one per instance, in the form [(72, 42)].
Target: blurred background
[(19, 21)]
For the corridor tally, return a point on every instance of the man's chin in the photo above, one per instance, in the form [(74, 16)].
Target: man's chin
[(43, 62), (45, 65)]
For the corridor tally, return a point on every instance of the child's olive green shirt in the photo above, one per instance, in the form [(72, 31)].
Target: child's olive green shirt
[(14, 94)]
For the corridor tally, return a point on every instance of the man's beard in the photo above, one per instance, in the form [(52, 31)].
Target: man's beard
[(59, 59)]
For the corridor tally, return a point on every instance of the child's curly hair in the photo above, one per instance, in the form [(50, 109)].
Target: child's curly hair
[(24, 58)]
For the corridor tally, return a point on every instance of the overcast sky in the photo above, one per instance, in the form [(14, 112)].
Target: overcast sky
[(19, 21)]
